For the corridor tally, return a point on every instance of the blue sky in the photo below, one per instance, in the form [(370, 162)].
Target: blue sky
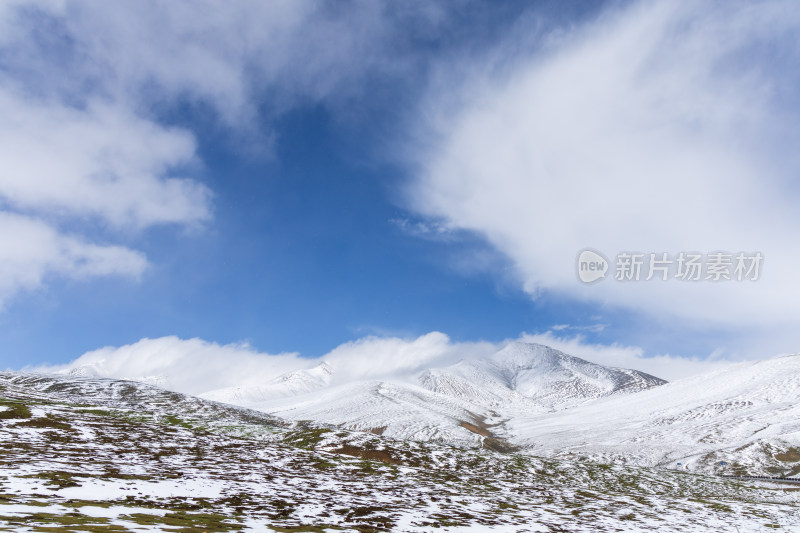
[(297, 175), (306, 251)]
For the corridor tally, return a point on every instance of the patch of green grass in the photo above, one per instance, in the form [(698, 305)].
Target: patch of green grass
[(77, 504), (132, 417), (305, 438), (721, 507), (14, 410), (56, 478), (66, 522), (442, 521), (321, 463), (713, 505), (243, 430), (207, 522), (367, 467), (115, 473), (519, 462), (173, 420)]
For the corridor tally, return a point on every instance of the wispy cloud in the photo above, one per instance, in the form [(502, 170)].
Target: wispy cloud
[(424, 229), (195, 366), (393, 357), (658, 127)]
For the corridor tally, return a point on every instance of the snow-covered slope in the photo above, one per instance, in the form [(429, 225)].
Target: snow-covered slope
[(744, 415), (459, 404)]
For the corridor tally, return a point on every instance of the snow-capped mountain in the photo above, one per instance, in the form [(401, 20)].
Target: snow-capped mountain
[(533, 375), (457, 404)]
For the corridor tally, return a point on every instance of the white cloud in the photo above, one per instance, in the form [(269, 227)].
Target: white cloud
[(31, 250), (376, 357), (592, 328), (425, 229), (84, 87), (96, 167), (101, 161), (666, 126), (195, 366), (190, 366)]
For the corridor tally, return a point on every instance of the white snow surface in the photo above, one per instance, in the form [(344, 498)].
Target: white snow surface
[(741, 413)]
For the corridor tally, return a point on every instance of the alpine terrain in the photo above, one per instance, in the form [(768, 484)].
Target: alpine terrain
[(529, 439)]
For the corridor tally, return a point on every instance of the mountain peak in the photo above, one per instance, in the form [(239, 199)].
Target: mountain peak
[(530, 353)]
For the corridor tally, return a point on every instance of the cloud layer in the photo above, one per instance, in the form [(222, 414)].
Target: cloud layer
[(85, 88), (662, 127), (195, 366)]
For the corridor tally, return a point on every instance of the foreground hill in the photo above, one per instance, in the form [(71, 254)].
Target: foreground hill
[(105, 455)]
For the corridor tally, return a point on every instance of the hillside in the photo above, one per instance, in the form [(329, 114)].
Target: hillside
[(106, 455), (746, 415)]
